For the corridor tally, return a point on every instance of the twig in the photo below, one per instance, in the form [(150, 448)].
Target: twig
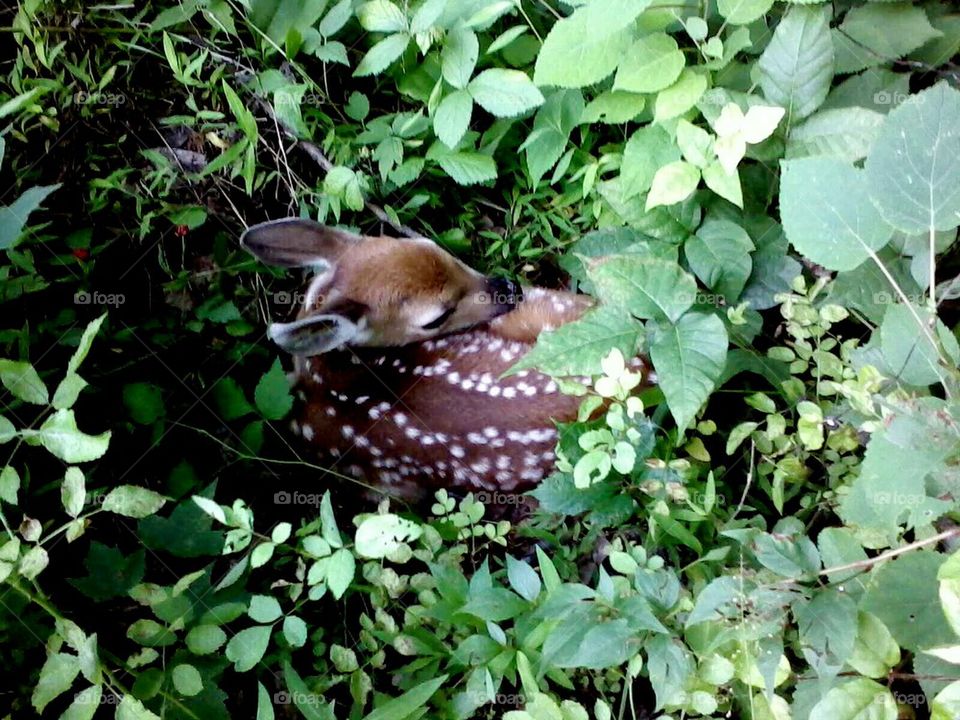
[(864, 564)]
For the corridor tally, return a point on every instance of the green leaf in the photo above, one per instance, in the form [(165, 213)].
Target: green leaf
[(689, 357), (205, 639), (614, 107), (876, 33), (382, 55), (586, 47), (22, 100), (310, 704), (144, 402), (523, 579), (946, 704), (187, 680), (133, 501), (13, 218), (552, 125), (459, 57), (577, 347), (343, 183), (410, 701), (906, 347), (56, 676), (796, 68), (827, 213), (247, 647), (719, 254), (340, 571), (230, 399), (381, 16), (110, 574), (380, 535), (844, 133), (295, 630), (7, 431), (648, 149), (652, 63), (452, 117), (336, 18), (264, 608), (673, 183), (875, 652), (132, 709), (646, 287), (743, 12), (23, 382), (9, 484), (272, 394), (505, 93), (679, 97), (723, 183), (68, 391), (858, 699), (73, 492), (466, 168), (84, 705), (913, 172), (59, 435)]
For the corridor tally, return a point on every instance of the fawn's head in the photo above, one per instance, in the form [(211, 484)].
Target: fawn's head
[(374, 291)]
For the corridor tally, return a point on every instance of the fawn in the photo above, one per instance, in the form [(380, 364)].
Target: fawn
[(398, 350)]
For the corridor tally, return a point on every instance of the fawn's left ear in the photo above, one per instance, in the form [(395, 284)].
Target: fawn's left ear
[(293, 242), (314, 335)]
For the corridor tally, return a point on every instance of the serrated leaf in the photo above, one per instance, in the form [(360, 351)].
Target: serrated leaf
[(381, 16), (465, 167), (380, 535), (56, 676), (652, 63), (23, 382), (827, 213), (73, 493), (382, 55), (796, 68), (689, 357), (673, 183), (60, 435), (247, 647), (719, 254), (876, 33), (914, 167), (272, 394), (743, 12), (505, 93), (844, 133), (133, 501), (459, 57), (452, 117), (646, 287), (648, 149)]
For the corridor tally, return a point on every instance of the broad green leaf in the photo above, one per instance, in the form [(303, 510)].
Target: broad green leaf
[(144, 401), (264, 609), (23, 382), (336, 18), (410, 701), (247, 647), (73, 493), (272, 394), (875, 652), (132, 709), (380, 535), (586, 47), (646, 287), (689, 357), (523, 579), (719, 254), (907, 349), (59, 435), (9, 484), (743, 12), (576, 348), (133, 501), (613, 107), (427, 15), (34, 562), (552, 125), (827, 213), (946, 704), (857, 699), (381, 16), (844, 133), (7, 431), (876, 33), (504, 93), (68, 391), (264, 704), (459, 57), (340, 572), (652, 63), (295, 631), (673, 183), (13, 218), (84, 705), (205, 639), (308, 702), (914, 167), (679, 97), (796, 68), (724, 183), (186, 679), (466, 168), (56, 676), (452, 117), (648, 149), (382, 55)]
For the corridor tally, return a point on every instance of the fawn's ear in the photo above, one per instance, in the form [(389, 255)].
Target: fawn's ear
[(314, 335), (293, 242)]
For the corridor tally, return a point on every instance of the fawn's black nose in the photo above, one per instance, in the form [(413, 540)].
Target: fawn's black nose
[(504, 292)]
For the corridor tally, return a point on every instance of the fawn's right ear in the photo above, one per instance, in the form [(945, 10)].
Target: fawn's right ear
[(315, 334), (293, 242)]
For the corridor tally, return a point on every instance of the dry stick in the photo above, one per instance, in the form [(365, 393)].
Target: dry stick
[(864, 564)]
